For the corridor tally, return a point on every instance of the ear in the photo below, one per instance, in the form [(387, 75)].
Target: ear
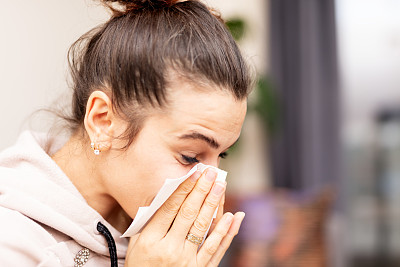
[(100, 120)]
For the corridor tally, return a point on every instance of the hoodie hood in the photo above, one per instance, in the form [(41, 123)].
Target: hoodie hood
[(33, 184)]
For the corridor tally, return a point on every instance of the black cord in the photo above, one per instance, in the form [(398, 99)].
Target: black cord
[(111, 243)]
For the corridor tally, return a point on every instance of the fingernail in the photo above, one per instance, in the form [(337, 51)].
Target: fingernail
[(218, 188), (195, 176), (211, 174), (241, 215), (229, 218)]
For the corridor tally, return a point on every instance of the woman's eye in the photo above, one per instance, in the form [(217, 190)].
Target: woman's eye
[(190, 160), (223, 155)]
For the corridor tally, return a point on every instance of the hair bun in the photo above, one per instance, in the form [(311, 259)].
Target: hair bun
[(133, 5)]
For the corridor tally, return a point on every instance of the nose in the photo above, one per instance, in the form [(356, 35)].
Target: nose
[(213, 162)]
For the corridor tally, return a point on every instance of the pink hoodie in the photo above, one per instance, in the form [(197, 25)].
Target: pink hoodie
[(44, 220)]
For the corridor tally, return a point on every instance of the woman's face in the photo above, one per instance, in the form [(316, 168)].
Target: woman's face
[(197, 126)]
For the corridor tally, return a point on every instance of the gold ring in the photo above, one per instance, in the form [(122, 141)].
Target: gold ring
[(194, 239)]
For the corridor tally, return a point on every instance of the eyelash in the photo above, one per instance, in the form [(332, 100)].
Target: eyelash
[(191, 160), (223, 155)]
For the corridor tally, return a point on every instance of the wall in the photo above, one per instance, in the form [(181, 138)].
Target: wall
[(33, 51)]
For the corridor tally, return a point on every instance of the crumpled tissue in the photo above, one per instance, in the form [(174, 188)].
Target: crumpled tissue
[(144, 214)]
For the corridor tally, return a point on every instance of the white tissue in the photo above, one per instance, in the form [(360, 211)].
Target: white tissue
[(170, 185)]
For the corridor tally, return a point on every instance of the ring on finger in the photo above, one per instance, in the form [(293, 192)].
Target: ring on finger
[(194, 239)]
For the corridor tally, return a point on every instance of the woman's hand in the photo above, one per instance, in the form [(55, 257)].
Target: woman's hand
[(188, 210)]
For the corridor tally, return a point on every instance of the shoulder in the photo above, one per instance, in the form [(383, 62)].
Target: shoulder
[(22, 240)]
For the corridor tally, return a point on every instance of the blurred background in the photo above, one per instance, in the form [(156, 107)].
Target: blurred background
[(317, 166)]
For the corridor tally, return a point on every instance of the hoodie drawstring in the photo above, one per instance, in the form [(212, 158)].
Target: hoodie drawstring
[(111, 243)]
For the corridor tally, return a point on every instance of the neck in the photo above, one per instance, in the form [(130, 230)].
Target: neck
[(79, 163)]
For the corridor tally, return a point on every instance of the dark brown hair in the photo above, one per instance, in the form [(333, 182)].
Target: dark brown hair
[(131, 55)]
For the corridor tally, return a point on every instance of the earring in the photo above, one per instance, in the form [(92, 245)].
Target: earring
[(95, 148)]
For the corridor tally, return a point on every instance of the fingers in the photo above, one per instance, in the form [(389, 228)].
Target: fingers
[(221, 207), (213, 241), (220, 213), (163, 218), (203, 220), (191, 207), (223, 244)]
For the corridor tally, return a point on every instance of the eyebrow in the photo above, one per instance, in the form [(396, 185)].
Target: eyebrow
[(196, 135)]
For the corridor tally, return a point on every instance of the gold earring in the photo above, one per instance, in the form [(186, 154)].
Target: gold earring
[(95, 148)]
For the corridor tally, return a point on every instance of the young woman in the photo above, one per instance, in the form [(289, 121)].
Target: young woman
[(158, 88)]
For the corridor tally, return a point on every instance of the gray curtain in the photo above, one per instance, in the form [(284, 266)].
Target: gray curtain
[(303, 68)]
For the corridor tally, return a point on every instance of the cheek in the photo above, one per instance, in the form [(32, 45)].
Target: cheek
[(144, 177)]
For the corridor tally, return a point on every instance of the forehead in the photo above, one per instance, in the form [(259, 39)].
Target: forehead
[(206, 109)]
